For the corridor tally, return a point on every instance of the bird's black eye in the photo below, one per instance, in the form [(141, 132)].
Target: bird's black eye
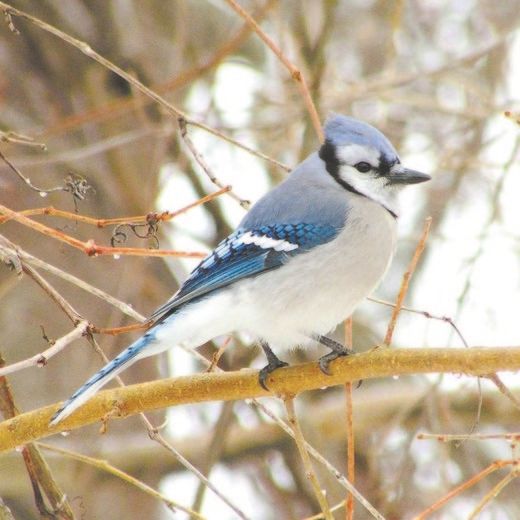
[(363, 167)]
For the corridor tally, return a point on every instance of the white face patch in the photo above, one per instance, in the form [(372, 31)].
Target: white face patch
[(267, 242), (368, 183), (354, 153)]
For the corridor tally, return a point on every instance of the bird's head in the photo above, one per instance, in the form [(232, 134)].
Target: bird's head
[(362, 160)]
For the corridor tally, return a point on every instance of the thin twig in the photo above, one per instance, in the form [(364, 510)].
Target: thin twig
[(11, 251), (495, 379), (396, 78), (446, 319), (426, 314), (351, 447), (155, 435), (163, 216), (295, 73), (202, 163), (115, 331), (406, 281), (41, 359), (65, 306), (94, 148), (492, 377), (514, 473), (465, 485), (50, 499), (90, 248), (105, 466), (493, 493), (215, 449), (314, 453), (333, 509), (450, 437), (78, 187), (44, 485), (149, 222), (115, 108), (89, 52), (21, 139), (493, 216), (304, 455), (216, 357), (16, 252)]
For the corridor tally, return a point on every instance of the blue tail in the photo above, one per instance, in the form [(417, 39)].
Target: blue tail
[(110, 370)]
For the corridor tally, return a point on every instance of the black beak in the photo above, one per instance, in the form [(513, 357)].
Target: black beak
[(401, 175)]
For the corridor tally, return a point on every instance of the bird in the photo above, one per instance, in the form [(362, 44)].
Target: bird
[(300, 261)]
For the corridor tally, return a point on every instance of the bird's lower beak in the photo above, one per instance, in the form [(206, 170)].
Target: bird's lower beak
[(403, 175)]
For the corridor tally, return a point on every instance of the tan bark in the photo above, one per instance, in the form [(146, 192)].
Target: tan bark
[(198, 388)]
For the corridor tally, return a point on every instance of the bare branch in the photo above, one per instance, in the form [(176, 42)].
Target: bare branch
[(314, 453), (295, 73), (21, 139), (202, 163), (41, 359), (89, 247), (83, 47), (15, 252), (406, 281), (155, 435), (50, 499), (466, 485), (351, 445), (244, 385), (42, 191), (105, 466), (304, 455)]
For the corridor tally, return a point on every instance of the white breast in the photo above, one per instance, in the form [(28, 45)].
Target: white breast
[(317, 290)]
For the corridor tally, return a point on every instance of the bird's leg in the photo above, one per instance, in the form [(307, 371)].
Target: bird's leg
[(337, 350), (272, 364)]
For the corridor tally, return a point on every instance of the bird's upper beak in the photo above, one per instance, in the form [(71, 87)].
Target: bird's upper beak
[(401, 175)]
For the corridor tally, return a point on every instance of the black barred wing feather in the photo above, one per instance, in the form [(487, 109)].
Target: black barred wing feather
[(247, 253)]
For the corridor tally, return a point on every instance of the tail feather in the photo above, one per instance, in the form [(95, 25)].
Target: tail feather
[(101, 378)]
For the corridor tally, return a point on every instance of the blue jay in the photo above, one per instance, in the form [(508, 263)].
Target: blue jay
[(298, 264)]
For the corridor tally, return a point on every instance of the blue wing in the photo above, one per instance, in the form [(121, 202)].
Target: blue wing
[(247, 252)]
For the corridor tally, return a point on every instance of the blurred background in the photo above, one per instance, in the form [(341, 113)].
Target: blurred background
[(435, 76)]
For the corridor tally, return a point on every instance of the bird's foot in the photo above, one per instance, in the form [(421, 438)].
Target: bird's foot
[(273, 362), (325, 360), (270, 367), (338, 350)]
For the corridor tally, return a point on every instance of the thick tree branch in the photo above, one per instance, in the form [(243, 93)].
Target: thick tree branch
[(244, 385), (376, 407)]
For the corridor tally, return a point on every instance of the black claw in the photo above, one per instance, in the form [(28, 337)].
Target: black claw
[(338, 350), (272, 364), (325, 360), (268, 369)]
